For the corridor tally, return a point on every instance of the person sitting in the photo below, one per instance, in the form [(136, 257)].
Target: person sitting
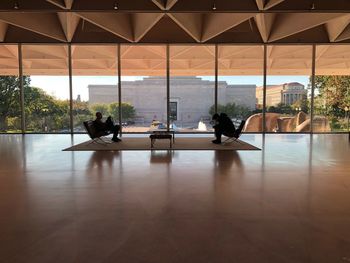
[(223, 125), (108, 126)]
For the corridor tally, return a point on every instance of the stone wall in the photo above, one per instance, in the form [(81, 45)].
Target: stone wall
[(194, 97)]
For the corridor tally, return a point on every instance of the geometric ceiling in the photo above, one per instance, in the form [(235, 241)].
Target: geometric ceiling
[(185, 60), (175, 21), (190, 26)]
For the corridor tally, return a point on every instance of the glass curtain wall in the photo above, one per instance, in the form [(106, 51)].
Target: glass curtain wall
[(332, 91), (288, 88), (143, 87), (240, 90), (192, 87), (10, 106), (240, 76), (95, 83), (46, 88)]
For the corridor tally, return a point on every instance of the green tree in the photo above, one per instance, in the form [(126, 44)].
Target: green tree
[(333, 94), (232, 110), (100, 107), (81, 112), (221, 108), (10, 98), (43, 112), (128, 111), (303, 104), (281, 108)]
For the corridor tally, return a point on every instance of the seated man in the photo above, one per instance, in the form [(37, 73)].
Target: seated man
[(104, 127), (224, 126)]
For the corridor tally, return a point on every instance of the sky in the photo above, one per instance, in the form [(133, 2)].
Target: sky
[(58, 86)]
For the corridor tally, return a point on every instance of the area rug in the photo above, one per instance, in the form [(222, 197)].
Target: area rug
[(144, 144)]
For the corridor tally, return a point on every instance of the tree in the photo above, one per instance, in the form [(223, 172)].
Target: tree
[(333, 94), (232, 110), (10, 98), (303, 105), (128, 111), (281, 108), (100, 107), (81, 113), (43, 112), (220, 108)]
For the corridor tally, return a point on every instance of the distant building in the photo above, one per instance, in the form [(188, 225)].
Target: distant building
[(190, 97), (287, 93)]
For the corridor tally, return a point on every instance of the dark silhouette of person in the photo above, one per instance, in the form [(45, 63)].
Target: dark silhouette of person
[(103, 128), (224, 126)]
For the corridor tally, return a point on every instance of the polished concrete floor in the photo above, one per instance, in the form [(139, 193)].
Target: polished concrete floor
[(289, 202)]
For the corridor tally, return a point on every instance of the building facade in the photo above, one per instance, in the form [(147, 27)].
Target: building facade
[(287, 93), (190, 97)]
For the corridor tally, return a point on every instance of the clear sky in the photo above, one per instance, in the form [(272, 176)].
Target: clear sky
[(58, 86)]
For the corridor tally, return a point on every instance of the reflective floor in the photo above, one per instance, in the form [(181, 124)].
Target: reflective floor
[(289, 202)]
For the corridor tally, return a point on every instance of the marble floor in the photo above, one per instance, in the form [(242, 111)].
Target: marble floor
[(289, 202)]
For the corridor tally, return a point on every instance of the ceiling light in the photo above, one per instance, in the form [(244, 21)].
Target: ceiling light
[(214, 7), (16, 6), (312, 6), (115, 6)]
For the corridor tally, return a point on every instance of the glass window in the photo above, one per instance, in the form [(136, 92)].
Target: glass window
[(240, 74), (95, 83), (143, 71), (332, 91), (173, 110), (288, 93), (46, 88), (192, 86), (10, 109)]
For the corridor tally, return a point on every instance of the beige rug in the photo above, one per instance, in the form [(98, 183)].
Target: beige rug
[(144, 144)]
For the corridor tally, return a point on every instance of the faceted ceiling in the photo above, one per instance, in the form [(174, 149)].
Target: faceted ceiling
[(175, 21), (190, 26)]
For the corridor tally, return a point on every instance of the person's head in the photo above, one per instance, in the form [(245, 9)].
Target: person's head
[(215, 117), (98, 115)]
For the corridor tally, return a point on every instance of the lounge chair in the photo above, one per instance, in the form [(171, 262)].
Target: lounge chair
[(94, 135), (234, 135)]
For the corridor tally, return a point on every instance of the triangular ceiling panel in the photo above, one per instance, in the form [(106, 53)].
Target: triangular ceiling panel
[(46, 24), (166, 30), (26, 36), (90, 33), (316, 34), (245, 32), (119, 24), (289, 24), (345, 35)]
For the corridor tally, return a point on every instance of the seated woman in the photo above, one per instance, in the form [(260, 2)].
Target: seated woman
[(105, 127)]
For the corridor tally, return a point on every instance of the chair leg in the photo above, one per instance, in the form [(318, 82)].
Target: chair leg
[(232, 139), (100, 141), (228, 140)]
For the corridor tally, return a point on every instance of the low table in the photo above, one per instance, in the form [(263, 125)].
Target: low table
[(159, 134)]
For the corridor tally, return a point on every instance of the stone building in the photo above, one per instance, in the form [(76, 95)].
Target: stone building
[(190, 97), (287, 93)]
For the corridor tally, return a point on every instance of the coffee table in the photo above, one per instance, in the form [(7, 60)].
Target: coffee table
[(159, 134)]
